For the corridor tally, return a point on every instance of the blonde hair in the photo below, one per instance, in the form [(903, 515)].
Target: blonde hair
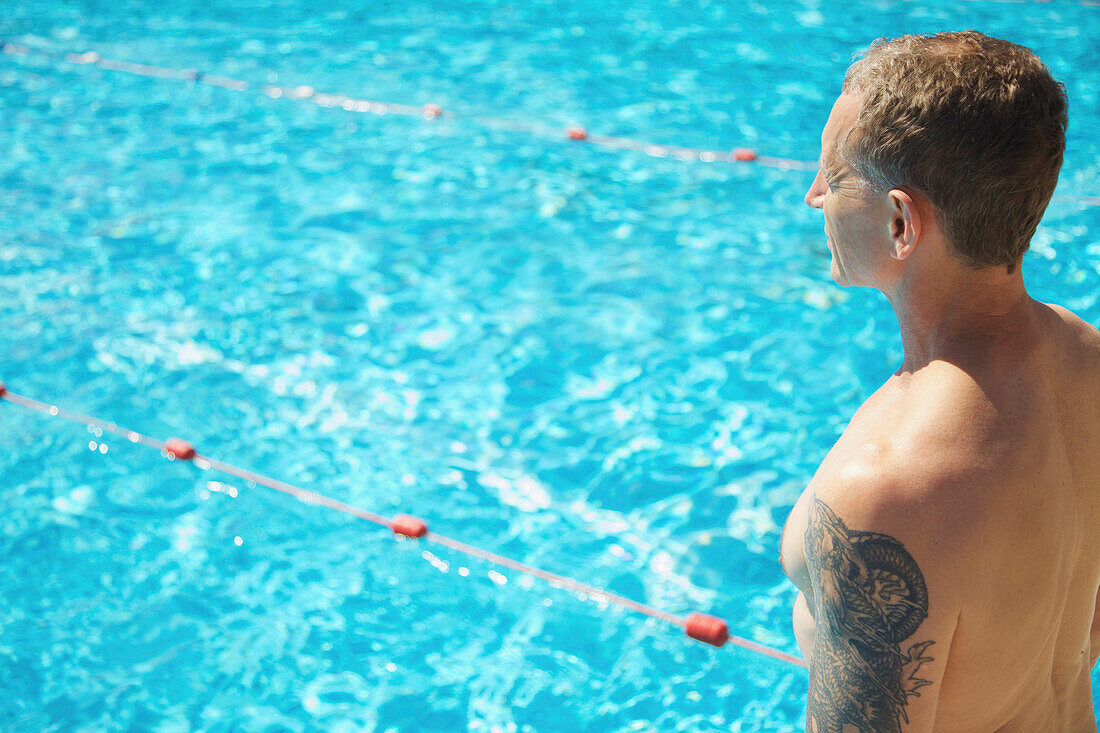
[(975, 124)]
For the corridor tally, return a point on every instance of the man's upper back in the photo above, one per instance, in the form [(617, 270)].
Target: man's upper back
[(986, 470), (1021, 433)]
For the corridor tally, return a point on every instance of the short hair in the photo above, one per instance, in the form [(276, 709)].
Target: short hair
[(976, 124)]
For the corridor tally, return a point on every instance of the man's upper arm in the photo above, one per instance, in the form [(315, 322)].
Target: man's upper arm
[(884, 621)]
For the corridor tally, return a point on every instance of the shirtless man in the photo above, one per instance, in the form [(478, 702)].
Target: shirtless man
[(948, 548)]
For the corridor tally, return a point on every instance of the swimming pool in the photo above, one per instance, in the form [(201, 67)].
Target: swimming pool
[(608, 364)]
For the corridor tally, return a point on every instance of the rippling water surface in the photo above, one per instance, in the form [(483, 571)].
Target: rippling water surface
[(607, 364)]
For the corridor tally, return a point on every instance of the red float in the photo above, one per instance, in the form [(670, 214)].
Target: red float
[(179, 448), (709, 629), (409, 526)]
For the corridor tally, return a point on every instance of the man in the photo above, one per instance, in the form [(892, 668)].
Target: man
[(948, 548)]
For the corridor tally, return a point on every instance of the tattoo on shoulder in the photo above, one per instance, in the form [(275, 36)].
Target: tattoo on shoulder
[(869, 597)]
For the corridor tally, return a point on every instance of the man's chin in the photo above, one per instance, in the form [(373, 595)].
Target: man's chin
[(838, 276)]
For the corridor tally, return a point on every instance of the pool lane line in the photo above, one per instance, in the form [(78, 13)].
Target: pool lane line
[(427, 112), (702, 627)]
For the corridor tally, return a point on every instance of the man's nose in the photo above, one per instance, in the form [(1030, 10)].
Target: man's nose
[(816, 194)]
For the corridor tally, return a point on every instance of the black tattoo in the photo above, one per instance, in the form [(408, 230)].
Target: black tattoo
[(868, 597)]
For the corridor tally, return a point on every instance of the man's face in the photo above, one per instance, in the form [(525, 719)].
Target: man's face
[(857, 222)]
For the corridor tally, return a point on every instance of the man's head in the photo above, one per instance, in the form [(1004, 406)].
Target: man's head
[(975, 125)]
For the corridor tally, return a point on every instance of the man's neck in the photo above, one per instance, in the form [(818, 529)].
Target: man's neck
[(960, 312)]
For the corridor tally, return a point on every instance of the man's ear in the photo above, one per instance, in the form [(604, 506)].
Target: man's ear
[(905, 224)]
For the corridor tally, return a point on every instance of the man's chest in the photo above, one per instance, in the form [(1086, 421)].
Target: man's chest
[(792, 552), (854, 442)]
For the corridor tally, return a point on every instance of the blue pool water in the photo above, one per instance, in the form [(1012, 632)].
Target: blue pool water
[(610, 365)]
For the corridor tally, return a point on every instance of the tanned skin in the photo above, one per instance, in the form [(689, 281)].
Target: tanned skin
[(947, 549)]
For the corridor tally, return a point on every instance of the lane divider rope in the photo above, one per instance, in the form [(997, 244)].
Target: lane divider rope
[(427, 112), (699, 626)]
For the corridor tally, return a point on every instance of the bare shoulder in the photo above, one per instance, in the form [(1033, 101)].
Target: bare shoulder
[(924, 433), (930, 464), (916, 485), (1072, 319), (1080, 336), (1075, 356)]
